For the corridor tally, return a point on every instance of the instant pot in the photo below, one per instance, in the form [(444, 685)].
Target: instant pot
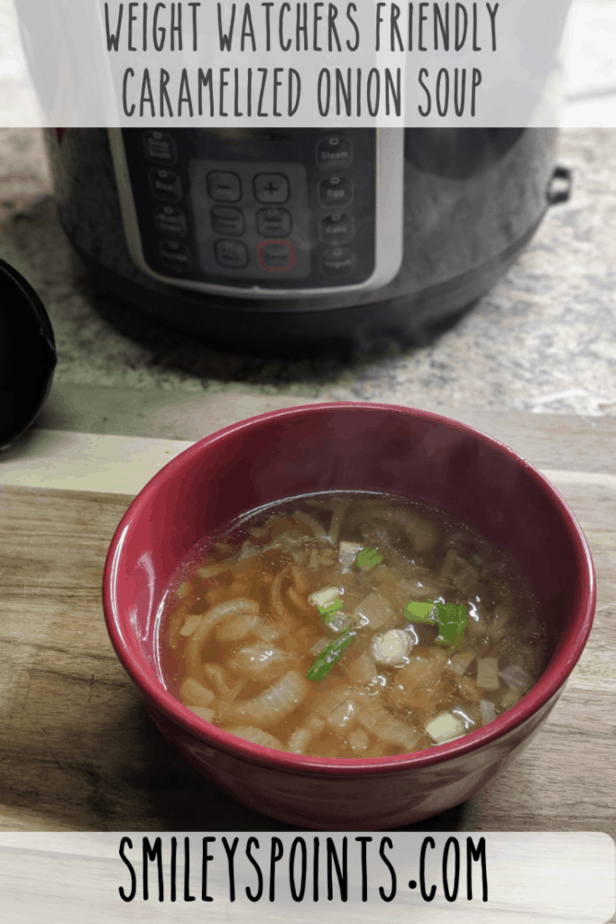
[(272, 241)]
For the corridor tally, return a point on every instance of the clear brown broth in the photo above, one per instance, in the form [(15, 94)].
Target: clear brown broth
[(248, 675)]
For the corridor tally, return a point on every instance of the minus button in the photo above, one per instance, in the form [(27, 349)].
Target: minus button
[(223, 186)]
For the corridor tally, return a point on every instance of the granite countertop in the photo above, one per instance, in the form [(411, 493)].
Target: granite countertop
[(542, 340)]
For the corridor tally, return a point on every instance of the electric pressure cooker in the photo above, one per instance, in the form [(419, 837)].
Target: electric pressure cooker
[(272, 241)]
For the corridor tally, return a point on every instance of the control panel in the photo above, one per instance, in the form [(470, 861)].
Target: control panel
[(253, 211)]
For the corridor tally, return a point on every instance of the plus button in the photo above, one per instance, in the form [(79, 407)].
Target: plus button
[(271, 188)]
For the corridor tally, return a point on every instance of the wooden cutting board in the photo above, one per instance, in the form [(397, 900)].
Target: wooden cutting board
[(78, 751)]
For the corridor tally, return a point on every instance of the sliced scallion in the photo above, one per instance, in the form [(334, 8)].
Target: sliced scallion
[(452, 623), (419, 612), (324, 662)]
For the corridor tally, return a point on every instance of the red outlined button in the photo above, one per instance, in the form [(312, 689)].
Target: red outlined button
[(276, 256)]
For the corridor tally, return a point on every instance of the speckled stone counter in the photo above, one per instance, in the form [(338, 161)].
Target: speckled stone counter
[(543, 340)]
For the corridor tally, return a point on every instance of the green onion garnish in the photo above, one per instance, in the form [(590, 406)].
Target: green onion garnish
[(329, 656), (452, 623), (419, 612), (451, 620), (328, 612), (368, 559)]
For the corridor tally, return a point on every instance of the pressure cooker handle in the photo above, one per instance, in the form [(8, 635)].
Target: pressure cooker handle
[(560, 185)]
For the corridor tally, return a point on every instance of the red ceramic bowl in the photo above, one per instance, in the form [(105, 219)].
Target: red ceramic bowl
[(326, 447)]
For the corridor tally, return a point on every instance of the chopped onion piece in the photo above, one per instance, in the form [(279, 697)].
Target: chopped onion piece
[(488, 712), (375, 610), (500, 622), (510, 697), (237, 628), (274, 704), (313, 559), (184, 589), (329, 700), (392, 647), (348, 553), (328, 557), (362, 670), (269, 634), (358, 740), (487, 673), (191, 623), (195, 693), (203, 712), (326, 596), (300, 555), (213, 570), (515, 676), (302, 736), (459, 571), (444, 727), (260, 662), (460, 662), (379, 722), (311, 522), (256, 736), (424, 534), (248, 550), (343, 717)]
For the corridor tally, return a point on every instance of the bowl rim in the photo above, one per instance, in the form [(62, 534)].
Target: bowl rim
[(546, 690)]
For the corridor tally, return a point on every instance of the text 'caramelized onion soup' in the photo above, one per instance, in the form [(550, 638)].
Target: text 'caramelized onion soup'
[(349, 624)]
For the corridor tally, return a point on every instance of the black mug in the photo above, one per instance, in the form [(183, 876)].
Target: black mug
[(27, 355)]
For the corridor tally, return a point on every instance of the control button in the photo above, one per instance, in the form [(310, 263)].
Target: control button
[(165, 185), (334, 153), (227, 220), (170, 220), (338, 261), (337, 190), (175, 255), (159, 148), (223, 186), (271, 188), (336, 228), (232, 254), (276, 256), (273, 222)]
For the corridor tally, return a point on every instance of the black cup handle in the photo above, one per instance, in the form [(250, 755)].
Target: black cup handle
[(560, 186)]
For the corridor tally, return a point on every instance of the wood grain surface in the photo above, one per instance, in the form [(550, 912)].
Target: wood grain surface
[(78, 751)]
